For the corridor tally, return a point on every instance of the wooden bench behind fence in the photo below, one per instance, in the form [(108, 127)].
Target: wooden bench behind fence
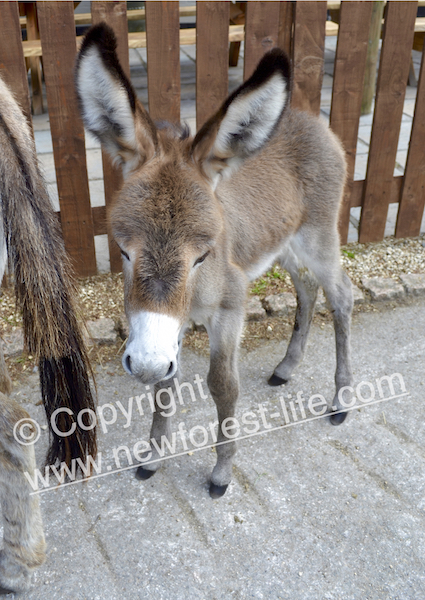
[(297, 27)]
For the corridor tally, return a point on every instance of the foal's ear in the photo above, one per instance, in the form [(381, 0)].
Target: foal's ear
[(108, 102), (246, 120)]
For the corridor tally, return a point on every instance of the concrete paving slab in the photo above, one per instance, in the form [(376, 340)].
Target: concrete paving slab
[(52, 189), (362, 147), (314, 511), (143, 55), (41, 122), (360, 166), (409, 107), (400, 162), (134, 57), (102, 253), (94, 163), (43, 142), (47, 166), (405, 130), (391, 217), (188, 52), (97, 192)]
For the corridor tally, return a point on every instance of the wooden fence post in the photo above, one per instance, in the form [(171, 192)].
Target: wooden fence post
[(115, 15), (392, 80), (412, 201), (12, 62), (349, 68), (56, 21), (212, 56), (372, 55), (163, 49), (286, 22), (308, 54), (261, 32)]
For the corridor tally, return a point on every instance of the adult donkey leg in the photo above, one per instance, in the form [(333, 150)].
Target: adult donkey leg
[(24, 545), (306, 287), (5, 381), (223, 381)]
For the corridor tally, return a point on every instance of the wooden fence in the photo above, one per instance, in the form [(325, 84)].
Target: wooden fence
[(297, 27)]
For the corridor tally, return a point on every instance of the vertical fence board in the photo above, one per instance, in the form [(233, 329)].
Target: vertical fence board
[(308, 54), (212, 56), (375, 29), (391, 87), (34, 62), (56, 22), (286, 21), (115, 15), (163, 49), (349, 69), (412, 201), (12, 62), (261, 32)]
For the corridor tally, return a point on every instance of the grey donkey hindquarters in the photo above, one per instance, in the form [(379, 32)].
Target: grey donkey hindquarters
[(30, 238), (197, 219)]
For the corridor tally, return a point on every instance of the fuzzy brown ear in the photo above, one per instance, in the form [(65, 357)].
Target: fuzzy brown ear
[(246, 120), (108, 102)]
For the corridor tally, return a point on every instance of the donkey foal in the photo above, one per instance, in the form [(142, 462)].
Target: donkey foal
[(198, 218)]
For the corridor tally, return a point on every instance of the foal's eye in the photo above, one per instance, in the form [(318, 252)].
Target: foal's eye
[(125, 254), (201, 259)]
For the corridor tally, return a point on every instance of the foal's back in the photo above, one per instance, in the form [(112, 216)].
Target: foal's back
[(296, 179)]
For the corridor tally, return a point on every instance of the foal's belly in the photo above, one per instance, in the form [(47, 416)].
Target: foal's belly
[(265, 262)]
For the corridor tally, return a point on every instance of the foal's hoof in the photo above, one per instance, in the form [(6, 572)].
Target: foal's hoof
[(217, 491), (276, 380), (144, 474), (338, 418), (4, 591)]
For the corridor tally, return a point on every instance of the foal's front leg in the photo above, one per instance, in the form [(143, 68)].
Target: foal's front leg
[(223, 381), (161, 424), (161, 427)]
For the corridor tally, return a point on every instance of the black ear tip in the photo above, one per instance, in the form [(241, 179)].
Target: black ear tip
[(103, 38), (101, 35), (275, 60)]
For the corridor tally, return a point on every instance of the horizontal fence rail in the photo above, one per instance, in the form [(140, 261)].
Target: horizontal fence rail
[(299, 27)]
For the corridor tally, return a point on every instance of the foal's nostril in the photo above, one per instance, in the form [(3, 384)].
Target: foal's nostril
[(170, 369), (128, 362)]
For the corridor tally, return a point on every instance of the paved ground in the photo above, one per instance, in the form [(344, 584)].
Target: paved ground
[(314, 511)]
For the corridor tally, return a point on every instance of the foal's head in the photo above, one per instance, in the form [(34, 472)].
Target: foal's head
[(167, 220)]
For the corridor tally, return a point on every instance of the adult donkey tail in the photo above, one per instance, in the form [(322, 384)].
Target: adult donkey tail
[(45, 291)]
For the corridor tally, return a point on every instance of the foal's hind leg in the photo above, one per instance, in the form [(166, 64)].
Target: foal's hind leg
[(320, 253), (339, 292), (23, 544), (306, 287)]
